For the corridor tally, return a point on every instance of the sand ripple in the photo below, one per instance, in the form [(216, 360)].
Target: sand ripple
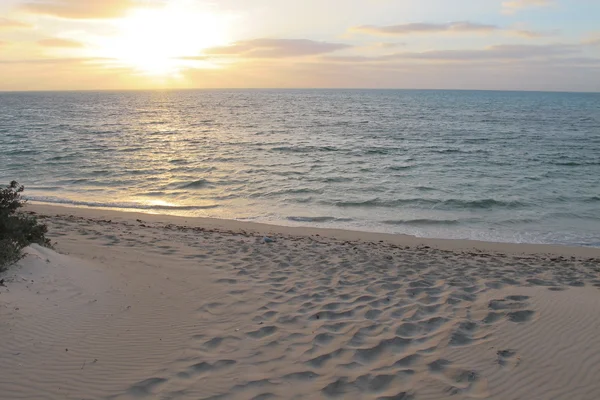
[(166, 312)]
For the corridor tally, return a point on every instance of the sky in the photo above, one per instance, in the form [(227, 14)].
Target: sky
[(549, 45)]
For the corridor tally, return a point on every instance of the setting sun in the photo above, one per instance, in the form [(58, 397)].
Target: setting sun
[(163, 41)]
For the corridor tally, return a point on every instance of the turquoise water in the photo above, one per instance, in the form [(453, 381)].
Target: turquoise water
[(500, 166)]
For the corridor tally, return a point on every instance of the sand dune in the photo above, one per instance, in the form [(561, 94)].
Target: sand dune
[(163, 308)]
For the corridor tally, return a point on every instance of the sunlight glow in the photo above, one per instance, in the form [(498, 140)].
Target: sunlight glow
[(163, 41)]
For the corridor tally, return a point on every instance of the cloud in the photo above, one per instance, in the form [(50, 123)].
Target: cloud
[(532, 34), (59, 61), (387, 45), (513, 6), (6, 23), (451, 27), (276, 48), (501, 52), (498, 53), (194, 58), (567, 75), (592, 41), (3, 43), (412, 28), (79, 9), (57, 42)]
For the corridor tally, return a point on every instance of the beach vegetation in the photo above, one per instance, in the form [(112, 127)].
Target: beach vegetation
[(17, 230)]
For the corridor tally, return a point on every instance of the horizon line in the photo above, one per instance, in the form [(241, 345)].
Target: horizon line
[(293, 88)]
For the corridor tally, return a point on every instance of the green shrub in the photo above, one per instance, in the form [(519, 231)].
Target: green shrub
[(17, 230)]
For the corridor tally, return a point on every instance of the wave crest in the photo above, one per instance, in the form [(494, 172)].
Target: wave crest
[(120, 205), (432, 203)]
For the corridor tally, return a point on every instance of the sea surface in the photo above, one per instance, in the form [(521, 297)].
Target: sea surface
[(496, 166)]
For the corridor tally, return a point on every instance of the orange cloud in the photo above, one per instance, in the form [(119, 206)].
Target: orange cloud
[(532, 34), (531, 74), (447, 28), (506, 52), (592, 40), (79, 9), (276, 48), (390, 45), (58, 42), (6, 23), (414, 28)]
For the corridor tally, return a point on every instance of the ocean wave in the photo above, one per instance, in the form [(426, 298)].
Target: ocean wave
[(333, 179), (447, 151), (319, 219), (158, 193), (301, 200), (377, 150), (531, 178), (516, 221), (197, 184), (288, 173), (422, 221), (432, 203), (24, 152), (425, 188), (475, 140), (484, 203), (129, 149), (575, 163), (119, 205), (282, 192), (400, 167), (365, 203), (72, 181), (100, 172), (179, 161), (62, 158), (304, 149)]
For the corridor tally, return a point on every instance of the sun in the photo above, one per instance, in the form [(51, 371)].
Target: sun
[(163, 41)]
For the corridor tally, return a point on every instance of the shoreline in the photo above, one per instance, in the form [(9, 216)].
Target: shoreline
[(263, 229)]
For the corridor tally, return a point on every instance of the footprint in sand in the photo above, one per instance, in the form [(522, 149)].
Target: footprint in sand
[(508, 358), (513, 307), (263, 332)]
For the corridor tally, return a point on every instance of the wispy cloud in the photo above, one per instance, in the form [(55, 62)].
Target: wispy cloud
[(592, 40), (194, 58), (6, 23), (526, 33), (58, 42), (513, 6), (568, 73), (464, 27), (79, 9), (62, 61), (421, 27), (388, 45), (276, 48), (3, 43), (498, 52)]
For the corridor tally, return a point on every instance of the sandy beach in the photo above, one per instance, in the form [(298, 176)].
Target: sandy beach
[(140, 306)]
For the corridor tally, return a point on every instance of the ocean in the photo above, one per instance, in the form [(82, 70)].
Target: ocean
[(494, 166)]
